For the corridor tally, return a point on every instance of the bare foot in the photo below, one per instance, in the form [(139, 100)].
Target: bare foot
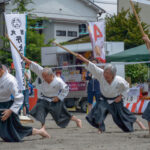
[(44, 133), (99, 131), (79, 123), (141, 125)]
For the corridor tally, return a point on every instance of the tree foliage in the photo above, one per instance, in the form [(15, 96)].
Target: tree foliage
[(5, 54), (124, 27), (21, 5), (137, 72)]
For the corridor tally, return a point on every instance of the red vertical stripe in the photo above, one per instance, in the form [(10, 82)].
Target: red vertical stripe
[(127, 105), (134, 106), (141, 106)]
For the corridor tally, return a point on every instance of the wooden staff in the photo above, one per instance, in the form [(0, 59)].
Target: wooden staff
[(139, 23), (69, 51), (14, 46)]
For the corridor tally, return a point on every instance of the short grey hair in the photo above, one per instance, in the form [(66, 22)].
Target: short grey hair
[(112, 68), (47, 70)]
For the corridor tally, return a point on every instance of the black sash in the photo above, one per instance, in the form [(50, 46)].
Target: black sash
[(106, 98)]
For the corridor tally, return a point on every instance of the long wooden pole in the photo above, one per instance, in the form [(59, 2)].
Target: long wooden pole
[(69, 51), (137, 18), (14, 46), (139, 23)]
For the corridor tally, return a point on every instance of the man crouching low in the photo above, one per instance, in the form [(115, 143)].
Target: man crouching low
[(53, 91), (11, 129)]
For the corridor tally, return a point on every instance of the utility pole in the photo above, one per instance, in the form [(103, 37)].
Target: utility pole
[(2, 27), (117, 7), (2, 20)]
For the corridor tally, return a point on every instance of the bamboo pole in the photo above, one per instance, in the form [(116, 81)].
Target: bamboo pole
[(69, 51), (14, 46), (139, 23), (137, 18)]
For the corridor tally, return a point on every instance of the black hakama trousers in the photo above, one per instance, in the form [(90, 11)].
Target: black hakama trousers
[(123, 118), (57, 110), (146, 113), (12, 130)]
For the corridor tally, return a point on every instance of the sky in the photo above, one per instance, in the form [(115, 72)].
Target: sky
[(109, 5)]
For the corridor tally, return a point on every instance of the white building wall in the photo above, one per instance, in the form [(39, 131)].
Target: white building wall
[(144, 13), (48, 30), (62, 14), (65, 27), (61, 9)]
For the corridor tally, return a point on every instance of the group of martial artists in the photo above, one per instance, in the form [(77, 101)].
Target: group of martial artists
[(53, 91)]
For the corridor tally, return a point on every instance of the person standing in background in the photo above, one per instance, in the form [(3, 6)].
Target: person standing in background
[(27, 74), (93, 88)]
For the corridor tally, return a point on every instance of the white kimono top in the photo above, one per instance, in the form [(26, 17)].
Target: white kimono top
[(8, 87), (56, 88), (119, 85)]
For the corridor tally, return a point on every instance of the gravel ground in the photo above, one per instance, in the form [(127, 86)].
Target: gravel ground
[(86, 138)]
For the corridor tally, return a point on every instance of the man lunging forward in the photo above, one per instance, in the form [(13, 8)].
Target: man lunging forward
[(53, 91), (113, 88)]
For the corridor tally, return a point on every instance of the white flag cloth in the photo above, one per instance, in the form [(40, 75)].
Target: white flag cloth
[(16, 27), (97, 35)]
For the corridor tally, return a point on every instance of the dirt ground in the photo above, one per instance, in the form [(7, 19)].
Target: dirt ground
[(86, 138)]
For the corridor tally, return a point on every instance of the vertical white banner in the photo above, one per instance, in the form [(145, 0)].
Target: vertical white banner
[(16, 27), (97, 35)]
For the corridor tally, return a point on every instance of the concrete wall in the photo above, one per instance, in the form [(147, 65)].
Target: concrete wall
[(145, 10), (51, 28), (48, 30), (65, 27)]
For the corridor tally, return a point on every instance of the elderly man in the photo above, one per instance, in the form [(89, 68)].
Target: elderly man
[(113, 88), (53, 91), (11, 129)]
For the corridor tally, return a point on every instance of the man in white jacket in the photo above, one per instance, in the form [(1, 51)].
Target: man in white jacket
[(11, 129), (53, 91), (113, 88)]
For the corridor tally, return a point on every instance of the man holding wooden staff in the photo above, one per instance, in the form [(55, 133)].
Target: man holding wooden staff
[(11, 129), (113, 88), (53, 91)]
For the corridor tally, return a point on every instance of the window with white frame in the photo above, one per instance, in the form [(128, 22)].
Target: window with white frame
[(60, 33), (72, 33), (82, 29)]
